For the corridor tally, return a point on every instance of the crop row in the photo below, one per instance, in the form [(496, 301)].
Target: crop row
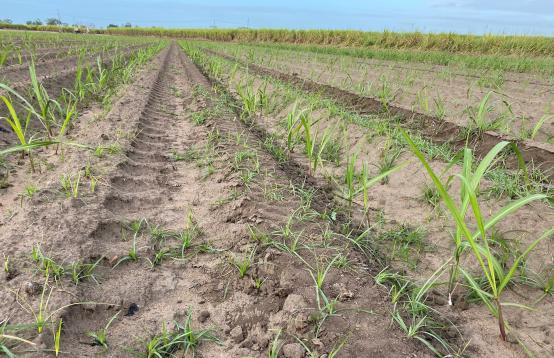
[(18, 48), (42, 118), (489, 102)]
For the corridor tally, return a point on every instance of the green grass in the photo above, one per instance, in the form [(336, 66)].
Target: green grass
[(100, 337), (183, 338), (406, 243)]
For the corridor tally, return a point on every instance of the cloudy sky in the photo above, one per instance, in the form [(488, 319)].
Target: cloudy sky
[(466, 16)]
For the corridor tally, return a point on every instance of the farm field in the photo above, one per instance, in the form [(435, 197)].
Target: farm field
[(515, 102), (183, 197)]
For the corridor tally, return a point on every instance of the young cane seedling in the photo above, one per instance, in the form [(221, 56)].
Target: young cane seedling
[(385, 93), (93, 181), (292, 126), (46, 265), (46, 106), (57, 338), (422, 99), (8, 271), (244, 265), (539, 124), (275, 346), (46, 116), (100, 337), (159, 256), (79, 271), (389, 155), (185, 239), (70, 186), (440, 108), (350, 178), (184, 338), (318, 276), (498, 279), (70, 112), (263, 98), (479, 117), (258, 282), (249, 101), (132, 255), (18, 127), (312, 148)]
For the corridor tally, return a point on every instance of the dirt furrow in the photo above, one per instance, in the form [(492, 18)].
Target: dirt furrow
[(49, 225)]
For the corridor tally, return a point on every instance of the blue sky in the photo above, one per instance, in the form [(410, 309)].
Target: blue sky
[(465, 16)]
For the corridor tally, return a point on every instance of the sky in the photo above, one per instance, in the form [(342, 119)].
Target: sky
[(462, 16)]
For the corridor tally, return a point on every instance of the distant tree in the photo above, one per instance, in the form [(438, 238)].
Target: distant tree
[(6, 21), (128, 25), (112, 25), (53, 21), (34, 22)]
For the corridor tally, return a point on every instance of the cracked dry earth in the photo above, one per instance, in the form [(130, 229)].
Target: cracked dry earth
[(190, 168)]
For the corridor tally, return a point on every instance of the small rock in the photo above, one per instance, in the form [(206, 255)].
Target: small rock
[(293, 350), (32, 288), (133, 308), (317, 342), (293, 303), (300, 322), (345, 295), (237, 335), (203, 317)]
